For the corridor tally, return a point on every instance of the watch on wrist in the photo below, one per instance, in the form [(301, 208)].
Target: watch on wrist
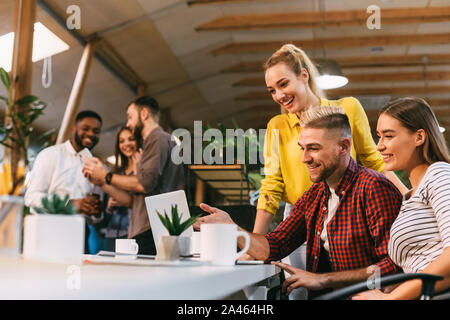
[(108, 177)]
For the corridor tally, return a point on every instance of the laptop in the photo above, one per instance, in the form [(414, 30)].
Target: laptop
[(164, 202)]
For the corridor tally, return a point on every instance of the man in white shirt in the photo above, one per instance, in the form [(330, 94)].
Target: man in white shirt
[(57, 169)]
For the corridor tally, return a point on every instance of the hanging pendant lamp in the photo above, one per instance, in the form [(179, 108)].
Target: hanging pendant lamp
[(331, 76)]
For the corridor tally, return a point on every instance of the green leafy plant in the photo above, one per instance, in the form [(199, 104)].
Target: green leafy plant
[(14, 134), (174, 225), (56, 205)]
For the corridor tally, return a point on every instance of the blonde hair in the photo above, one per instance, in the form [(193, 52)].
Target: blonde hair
[(296, 59), (414, 114), (327, 117)]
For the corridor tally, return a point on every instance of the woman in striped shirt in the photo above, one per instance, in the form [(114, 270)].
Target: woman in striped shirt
[(410, 140)]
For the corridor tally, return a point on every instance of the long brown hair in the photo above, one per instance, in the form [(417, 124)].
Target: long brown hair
[(121, 159), (414, 114), (296, 59)]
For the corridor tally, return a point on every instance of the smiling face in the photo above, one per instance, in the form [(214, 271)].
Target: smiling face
[(399, 146), (87, 133), (127, 143), (286, 88), (134, 120), (321, 152)]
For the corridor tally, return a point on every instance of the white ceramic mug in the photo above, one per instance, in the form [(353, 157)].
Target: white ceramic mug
[(219, 243), (196, 242), (126, 246)]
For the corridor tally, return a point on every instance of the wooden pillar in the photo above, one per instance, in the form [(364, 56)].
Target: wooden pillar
[(77, 91), (199, 192), (22, 66), (142, 90)]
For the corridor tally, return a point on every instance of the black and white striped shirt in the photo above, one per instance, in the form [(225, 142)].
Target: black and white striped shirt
[(422, 229)]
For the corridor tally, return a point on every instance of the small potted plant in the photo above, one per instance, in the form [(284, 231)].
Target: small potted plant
[(173, 246), (56, 233)]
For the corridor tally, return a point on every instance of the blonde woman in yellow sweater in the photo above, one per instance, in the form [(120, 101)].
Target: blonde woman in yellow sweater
[(289, 75)]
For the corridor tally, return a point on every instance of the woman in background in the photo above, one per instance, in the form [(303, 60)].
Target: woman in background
[(410, 140), (117, 218)]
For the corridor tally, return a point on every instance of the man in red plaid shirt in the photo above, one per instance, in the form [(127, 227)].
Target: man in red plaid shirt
[(345, 217)]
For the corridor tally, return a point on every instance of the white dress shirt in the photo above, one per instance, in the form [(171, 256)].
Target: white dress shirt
[(333, 203), (57, 169)]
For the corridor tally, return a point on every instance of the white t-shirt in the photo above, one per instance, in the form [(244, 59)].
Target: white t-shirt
[(333, 202), (422, 229), (57, 169)]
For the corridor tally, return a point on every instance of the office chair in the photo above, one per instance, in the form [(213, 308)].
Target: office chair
[(428, 283)]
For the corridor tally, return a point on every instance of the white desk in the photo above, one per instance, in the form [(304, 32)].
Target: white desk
[(25, 279)]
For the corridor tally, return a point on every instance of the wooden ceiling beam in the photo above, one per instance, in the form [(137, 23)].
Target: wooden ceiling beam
[(250, 82), (394, 60), (330, 18), (399, 76), (366, 77), (358, 62), (206, 2), (403, 90), (340, 42), (438, 102), (344, 92), (245, 66)]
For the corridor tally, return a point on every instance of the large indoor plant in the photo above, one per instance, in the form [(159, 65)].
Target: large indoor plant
[(14, 136), (173, 246), (55, 233)]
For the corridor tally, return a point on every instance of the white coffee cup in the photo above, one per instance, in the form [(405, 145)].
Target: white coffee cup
[(219, 243), (196, 243), (128, 246)]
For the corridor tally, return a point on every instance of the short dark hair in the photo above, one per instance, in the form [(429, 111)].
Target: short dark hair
[(147, 102), (88, 114)]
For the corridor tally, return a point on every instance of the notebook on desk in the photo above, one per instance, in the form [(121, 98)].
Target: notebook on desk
[(163, 203)]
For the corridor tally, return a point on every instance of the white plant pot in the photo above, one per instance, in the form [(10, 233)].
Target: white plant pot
[(54, 237)]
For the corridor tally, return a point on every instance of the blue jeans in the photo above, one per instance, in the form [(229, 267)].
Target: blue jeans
[(95, 241)]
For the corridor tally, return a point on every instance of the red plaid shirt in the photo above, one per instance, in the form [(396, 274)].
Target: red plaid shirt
[(358, 234)]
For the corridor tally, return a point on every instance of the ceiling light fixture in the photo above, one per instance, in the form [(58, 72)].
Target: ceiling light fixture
[(331, 76), (45, 44)]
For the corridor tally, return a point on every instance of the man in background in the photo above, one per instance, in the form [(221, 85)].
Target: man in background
[(57, 170), (156, 173)]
